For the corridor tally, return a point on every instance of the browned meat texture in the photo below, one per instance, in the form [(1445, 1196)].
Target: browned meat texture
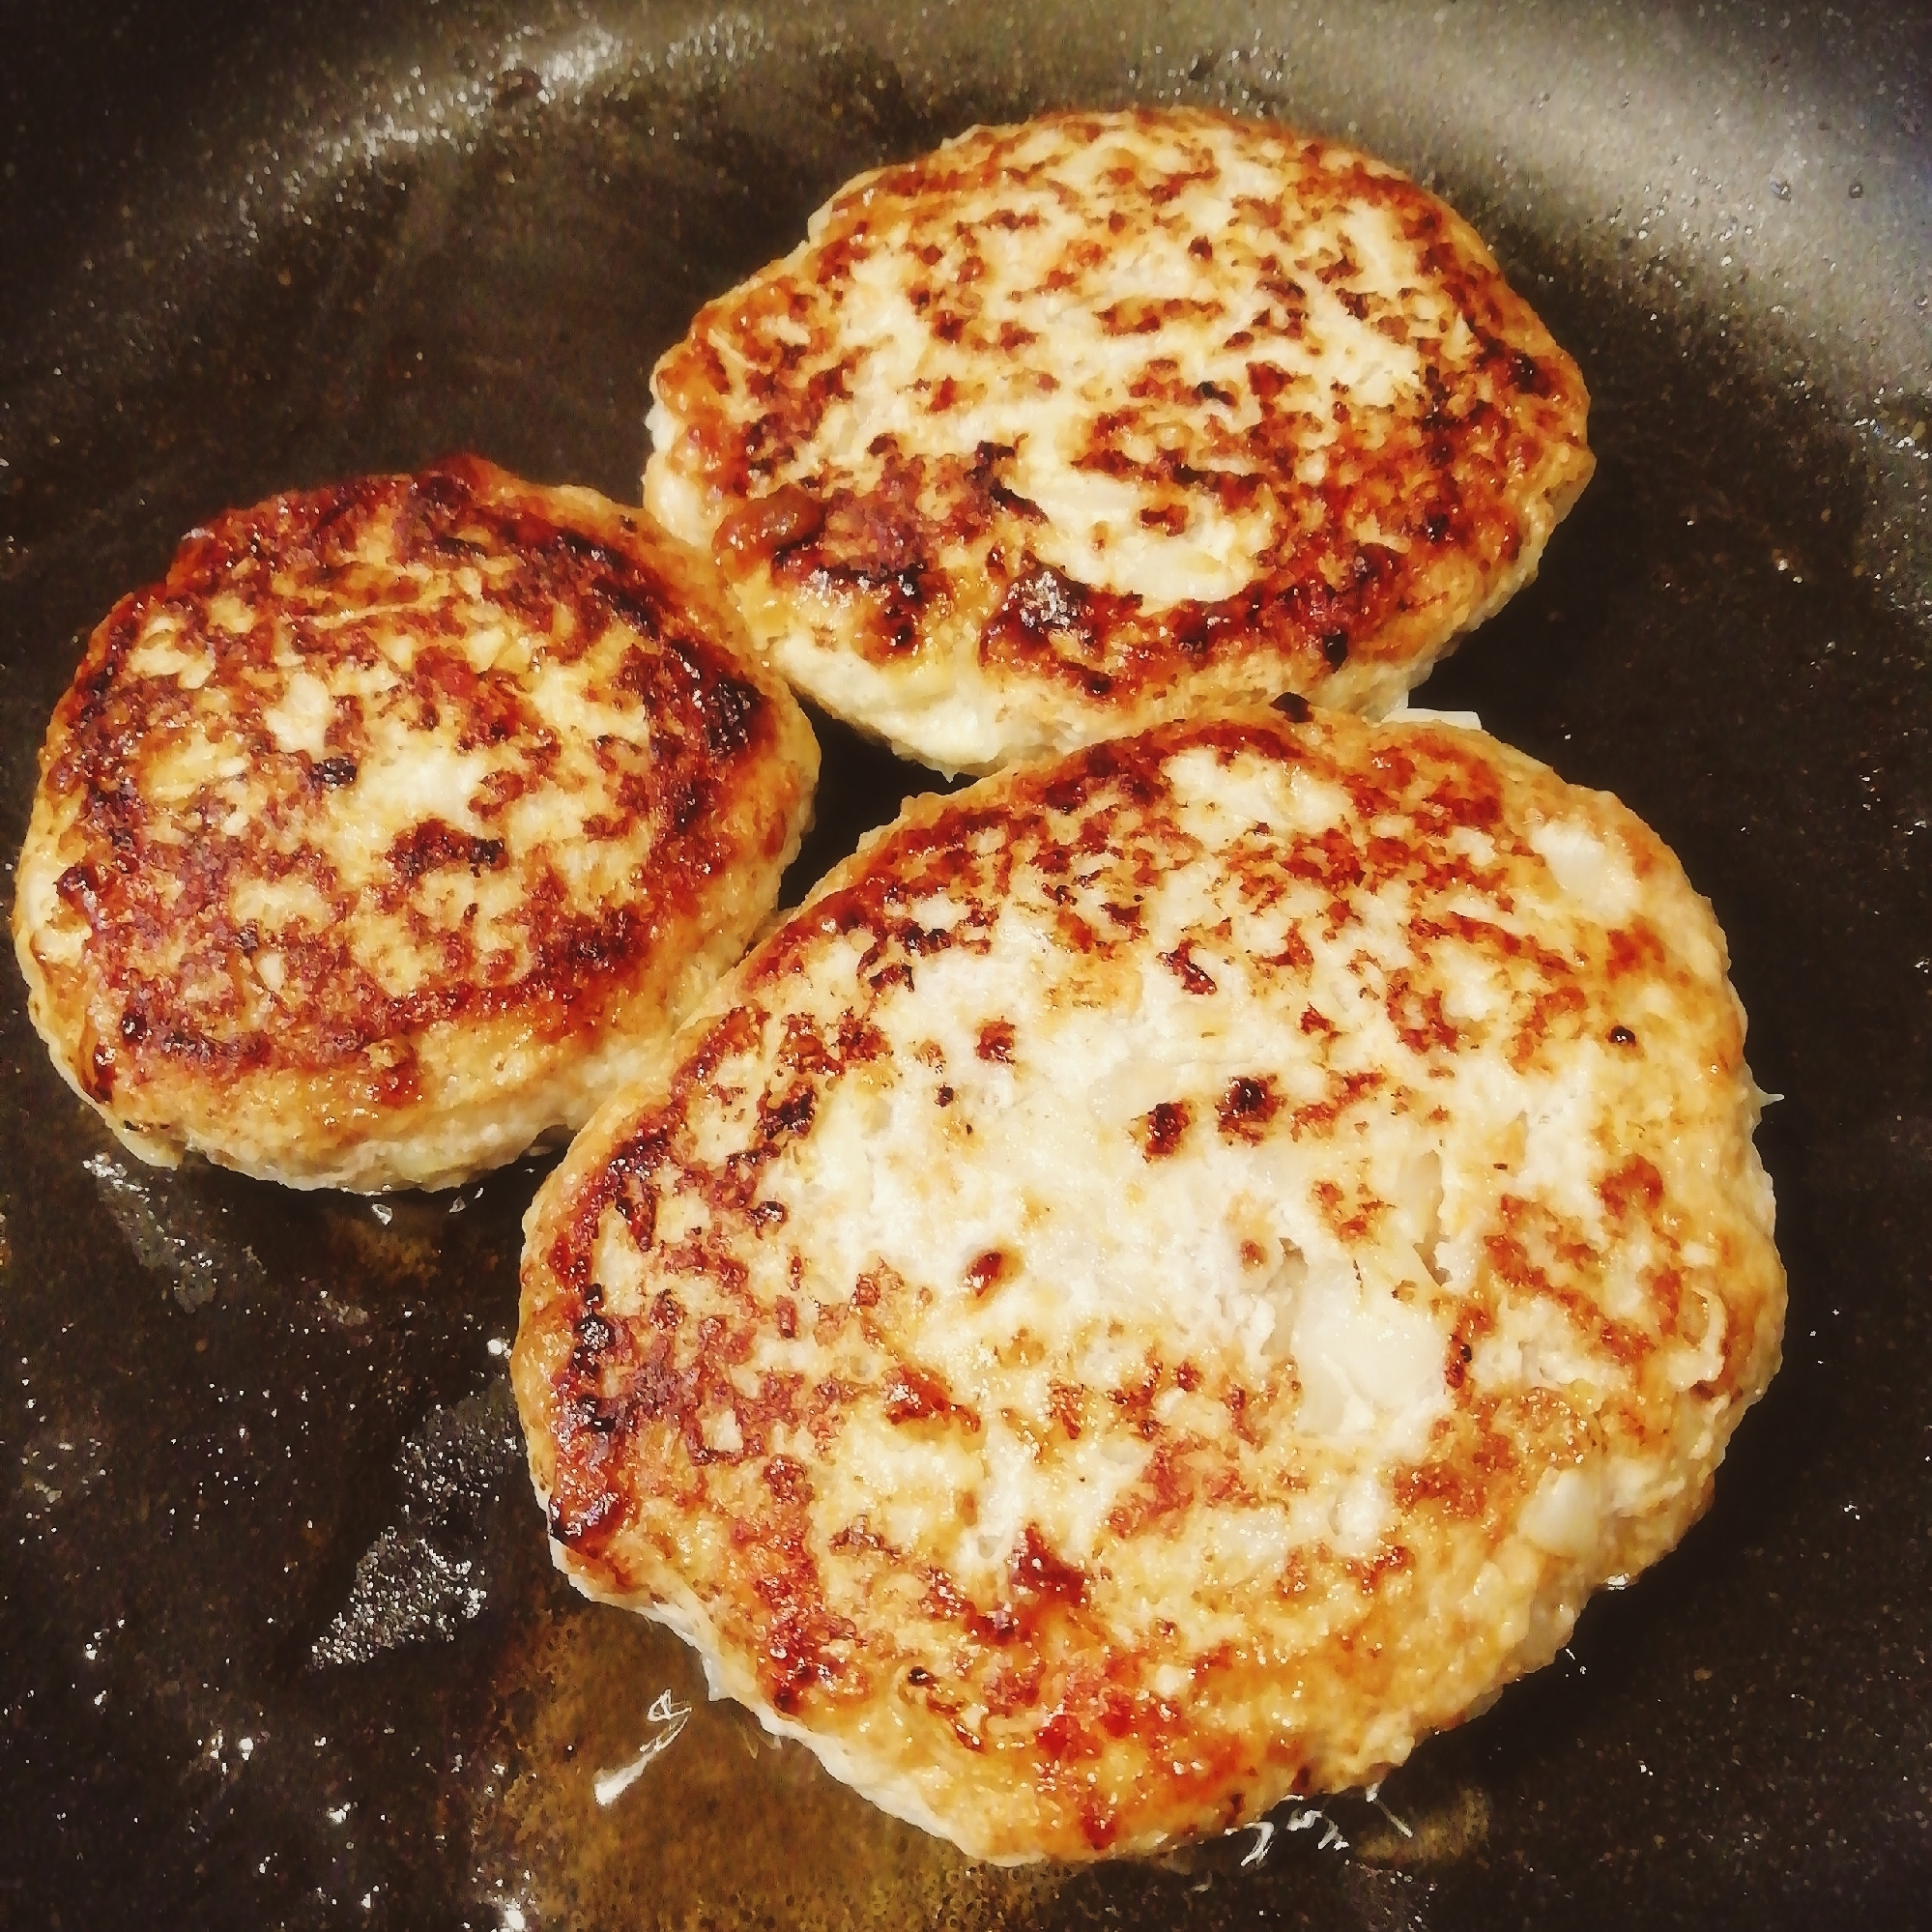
[(1169, 1278), (1072, 425), (388, 815)]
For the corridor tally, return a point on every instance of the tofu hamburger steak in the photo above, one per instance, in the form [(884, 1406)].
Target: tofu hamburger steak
[(374, 842), (1068, 427), (1171, 1277)]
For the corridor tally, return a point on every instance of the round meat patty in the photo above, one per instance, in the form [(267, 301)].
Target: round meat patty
[(1069, 427), (1172, 1275), (373, 844)]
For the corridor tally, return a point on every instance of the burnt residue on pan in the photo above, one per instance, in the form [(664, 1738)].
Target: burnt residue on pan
[(282, 1640)]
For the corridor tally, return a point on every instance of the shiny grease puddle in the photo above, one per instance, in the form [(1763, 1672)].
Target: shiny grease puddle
[(283, 1582)]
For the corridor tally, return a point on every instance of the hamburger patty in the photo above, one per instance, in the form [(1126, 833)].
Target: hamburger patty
[(374, 842), (1069, 427), (1171, 1277)]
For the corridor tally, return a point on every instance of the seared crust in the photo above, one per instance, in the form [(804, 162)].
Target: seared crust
[(371, 844), (1072, 426), (1169, 1278)]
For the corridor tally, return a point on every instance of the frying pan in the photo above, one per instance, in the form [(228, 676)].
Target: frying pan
[(281, 1643)]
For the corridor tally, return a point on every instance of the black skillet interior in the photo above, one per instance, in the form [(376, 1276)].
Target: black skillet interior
[(279, 1640)]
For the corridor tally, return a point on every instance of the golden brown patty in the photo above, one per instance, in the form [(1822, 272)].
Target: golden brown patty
[(1072, 426), (1171, 1277), (373, 843)]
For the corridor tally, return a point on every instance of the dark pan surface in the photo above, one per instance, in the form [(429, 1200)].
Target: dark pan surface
[(280, 1642)]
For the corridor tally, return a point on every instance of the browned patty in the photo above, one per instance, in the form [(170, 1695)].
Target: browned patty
[(371, 843), (1070, 427), (1171, 1277)]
